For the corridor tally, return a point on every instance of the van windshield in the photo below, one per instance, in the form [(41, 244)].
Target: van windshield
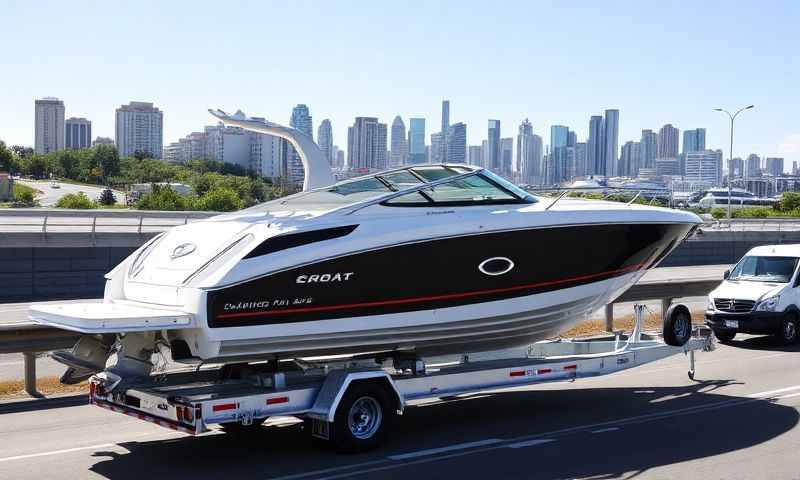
[(764, 269)]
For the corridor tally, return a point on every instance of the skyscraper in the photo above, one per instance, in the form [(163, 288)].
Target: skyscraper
[(366, 144), (491, 158), (704, 167), (139, 128), (559, 139), (300, 120), (438, 147), (416, 141), (325, 141), (399, 143), (581, 166), (506, 155), (753, 167), (694, 140), (49, 125), (737, 164), (611, 142), (475, 155), (526, 165), (648, 149), (774, 166), (445, 115), (629, 159), (595, 147), (78, 133), (456, 143), (668, 142)]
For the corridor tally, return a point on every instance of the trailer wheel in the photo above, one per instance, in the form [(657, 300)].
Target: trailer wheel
[(677, 325), (362, 418)]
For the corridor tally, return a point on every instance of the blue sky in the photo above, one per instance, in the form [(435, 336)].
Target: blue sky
[(658, 62)]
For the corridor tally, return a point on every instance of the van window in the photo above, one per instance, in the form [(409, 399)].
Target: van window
[(764, 269)]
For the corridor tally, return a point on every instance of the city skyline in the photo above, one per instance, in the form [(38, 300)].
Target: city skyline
[(408, 77)]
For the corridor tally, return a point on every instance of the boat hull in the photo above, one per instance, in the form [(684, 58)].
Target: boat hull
[(436, 295)]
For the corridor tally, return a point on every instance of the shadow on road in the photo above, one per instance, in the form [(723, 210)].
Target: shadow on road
[(35, 404), (767, 343), (649, 427)]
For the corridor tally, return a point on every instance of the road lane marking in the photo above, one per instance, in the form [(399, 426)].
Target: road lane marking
[(449, 448), (604, 430), (770, 393), (530, 443), (57, 452)]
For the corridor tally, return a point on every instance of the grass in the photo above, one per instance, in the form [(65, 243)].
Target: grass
[(10, 389)]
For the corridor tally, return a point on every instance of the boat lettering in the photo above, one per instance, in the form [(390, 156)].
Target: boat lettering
[(246, 305), (325, 277)]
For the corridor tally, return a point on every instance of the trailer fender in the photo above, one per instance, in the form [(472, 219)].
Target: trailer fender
[(336, 384)]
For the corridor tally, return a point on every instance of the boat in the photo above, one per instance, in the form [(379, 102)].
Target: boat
[(419, 260), (739, 198)]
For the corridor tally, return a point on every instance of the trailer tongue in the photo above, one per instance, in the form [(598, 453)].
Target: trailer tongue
[(351, 401)]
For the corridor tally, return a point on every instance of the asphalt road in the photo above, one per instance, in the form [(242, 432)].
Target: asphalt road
[(738, 419), (50, 195)]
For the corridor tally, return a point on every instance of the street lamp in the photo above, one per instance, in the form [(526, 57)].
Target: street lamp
[(730, 152)]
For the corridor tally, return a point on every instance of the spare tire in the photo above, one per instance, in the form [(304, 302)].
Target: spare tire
[(677, 325)]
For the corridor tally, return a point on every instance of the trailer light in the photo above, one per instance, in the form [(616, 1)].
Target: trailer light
[(571, 367), (223, 406), (542, 371), (518, 373), (188, 414), (275, 400), (179, 412)]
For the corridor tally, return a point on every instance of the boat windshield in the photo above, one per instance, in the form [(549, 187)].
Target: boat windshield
[(764, 269), (353, 191), (483, 188)]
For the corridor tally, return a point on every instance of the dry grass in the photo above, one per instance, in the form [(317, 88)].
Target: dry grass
[(652, 323), (10, 389)]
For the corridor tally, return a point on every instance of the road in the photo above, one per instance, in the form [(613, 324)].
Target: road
[(739, 419), (50, 195)]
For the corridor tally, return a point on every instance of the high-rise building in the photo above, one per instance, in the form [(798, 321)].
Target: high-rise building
[(774, 166), (381, 147), (399, 143), (753, 167), (629, 159), (78, 133), (139, 128), (300, 120), (527, 165), (437, 150), (228, 145), (581, 165), (705, 167), (559, 140), (491, 156), (340, 157), (506, 155), (325, 141), (476, 155), (366, 144), (265, 155), (49, 126), (611, 142), (668, 142), (456, 143), (694, 140), (416, 141), (648, 149), (595, 147), (737, 165), (445, 115)]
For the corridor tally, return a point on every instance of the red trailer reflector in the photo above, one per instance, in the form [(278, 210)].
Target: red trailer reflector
[(571, 367), (274, 400), (543, 371), (517, 373), (224, 406)]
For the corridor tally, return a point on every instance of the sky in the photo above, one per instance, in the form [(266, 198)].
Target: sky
[(551, 62)]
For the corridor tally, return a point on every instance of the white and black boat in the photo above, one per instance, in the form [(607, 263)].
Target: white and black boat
[(426, 259)]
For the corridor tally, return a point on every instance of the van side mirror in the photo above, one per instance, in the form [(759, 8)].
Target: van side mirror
[(726, 274)]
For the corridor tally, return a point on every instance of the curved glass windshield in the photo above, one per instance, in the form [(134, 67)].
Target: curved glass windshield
[(764, 269), (479, 189)]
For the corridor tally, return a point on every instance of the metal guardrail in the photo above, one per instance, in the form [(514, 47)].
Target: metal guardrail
[(771, 224), (92, 221), (29, 338)]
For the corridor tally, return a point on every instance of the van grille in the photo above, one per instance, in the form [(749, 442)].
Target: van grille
[(734, 306)]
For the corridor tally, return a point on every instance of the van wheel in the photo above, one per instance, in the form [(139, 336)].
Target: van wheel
[(362, 418), (789, 334), (724, 336)]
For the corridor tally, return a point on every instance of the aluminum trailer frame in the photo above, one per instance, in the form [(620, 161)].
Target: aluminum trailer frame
[(191, 402)]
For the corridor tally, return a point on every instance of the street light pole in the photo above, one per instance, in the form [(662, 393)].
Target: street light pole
[(730, 152)]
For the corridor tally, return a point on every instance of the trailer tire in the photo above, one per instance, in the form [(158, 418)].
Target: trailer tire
[(677, 325), (363, 417)]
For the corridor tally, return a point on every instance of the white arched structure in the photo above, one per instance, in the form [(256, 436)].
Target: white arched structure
[(317, 170)]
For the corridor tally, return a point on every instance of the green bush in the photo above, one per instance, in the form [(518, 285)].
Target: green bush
[(719, 213), (789, 201), (163, 197), (107, 197), (221, 199), (76, 200)]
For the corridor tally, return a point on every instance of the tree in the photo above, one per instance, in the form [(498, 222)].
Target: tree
[(789, 201), (221, 200), (141, 155), (163, 197), (22, 152), (6, 158), (69, 161), (75, 200), (107, 197), (107, 158)]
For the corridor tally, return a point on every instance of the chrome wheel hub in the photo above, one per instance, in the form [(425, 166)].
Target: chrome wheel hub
[(364, 418)]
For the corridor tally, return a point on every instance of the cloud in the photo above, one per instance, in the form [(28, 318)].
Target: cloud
[(790, 145)]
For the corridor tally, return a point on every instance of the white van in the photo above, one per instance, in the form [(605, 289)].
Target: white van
[(760, 295)]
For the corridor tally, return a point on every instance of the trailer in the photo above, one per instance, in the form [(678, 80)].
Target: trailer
[(352, 402)]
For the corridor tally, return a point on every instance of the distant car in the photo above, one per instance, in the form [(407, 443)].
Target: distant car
[(54, 185), (760, 295)]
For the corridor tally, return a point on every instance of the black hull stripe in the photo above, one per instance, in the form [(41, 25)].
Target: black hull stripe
[(451, 296)]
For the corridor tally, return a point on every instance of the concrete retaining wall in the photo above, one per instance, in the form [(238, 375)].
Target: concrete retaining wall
[(719, 247)]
